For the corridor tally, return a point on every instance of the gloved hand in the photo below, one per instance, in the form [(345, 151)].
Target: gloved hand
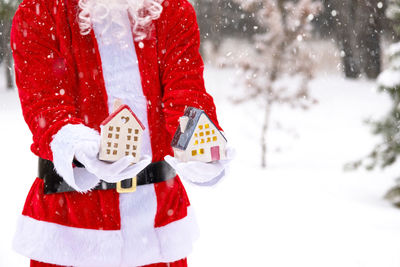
[(111, 172), (202, 173), (83, 143)]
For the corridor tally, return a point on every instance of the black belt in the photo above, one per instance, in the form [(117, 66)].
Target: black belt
[(155, 172)]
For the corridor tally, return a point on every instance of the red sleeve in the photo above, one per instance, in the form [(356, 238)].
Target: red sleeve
[(181, 64), (44, 80)]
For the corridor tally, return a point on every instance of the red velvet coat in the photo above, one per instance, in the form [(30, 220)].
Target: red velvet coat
[(60, 82)]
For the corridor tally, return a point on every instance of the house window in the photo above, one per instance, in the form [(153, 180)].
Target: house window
[(207, 126), (115, 152), (214, 138), (135, 138), (128, 146), (201, 151), (126, 153), (202, 141), (108, 151), (115, 145), (208, 139), (110, 135), (117, 136), (134, 147), (134, 154), (129, 137), (201, 133), (118, 129), (195, 135), (207, 132), (201, 127), (194, 152), (129, 130), (213, 131), (109, 144), (110, 128), (196, 142), (136, 131)]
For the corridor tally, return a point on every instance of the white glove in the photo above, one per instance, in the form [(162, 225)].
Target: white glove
[(202, 173), (110, 172)]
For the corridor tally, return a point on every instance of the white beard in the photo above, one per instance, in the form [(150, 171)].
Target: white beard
[(105, 12)]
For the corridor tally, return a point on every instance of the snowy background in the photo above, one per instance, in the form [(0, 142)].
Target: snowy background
[(302, 210)]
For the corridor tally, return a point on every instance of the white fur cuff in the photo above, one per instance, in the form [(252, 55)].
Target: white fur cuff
[(64, 146), (71, 246)]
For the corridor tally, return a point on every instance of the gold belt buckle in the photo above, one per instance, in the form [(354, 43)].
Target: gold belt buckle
[(131, 189)]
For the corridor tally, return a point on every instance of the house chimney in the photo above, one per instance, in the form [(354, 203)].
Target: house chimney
[(183, 121), (117, 103)]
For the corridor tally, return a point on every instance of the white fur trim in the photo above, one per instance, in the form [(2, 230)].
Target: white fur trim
[(69, 246), (176, 239), (62, 245), (138, 211), (122, 75), (64, 146)]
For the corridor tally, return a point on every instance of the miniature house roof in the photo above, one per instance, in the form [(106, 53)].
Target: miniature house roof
[(182, 138), (117, 111)]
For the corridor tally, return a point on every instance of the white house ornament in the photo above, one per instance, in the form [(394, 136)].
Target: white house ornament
[(121, 135), (197, 138)]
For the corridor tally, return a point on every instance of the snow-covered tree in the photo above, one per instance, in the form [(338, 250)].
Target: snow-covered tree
[(281, 67), (387, 152)]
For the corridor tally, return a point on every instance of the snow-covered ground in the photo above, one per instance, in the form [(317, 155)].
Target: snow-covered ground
[(302, 211)]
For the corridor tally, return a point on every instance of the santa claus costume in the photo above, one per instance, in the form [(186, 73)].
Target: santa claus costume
[(69, 69)]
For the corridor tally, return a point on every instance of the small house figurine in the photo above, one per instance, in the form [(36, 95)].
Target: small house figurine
[(121, 134), (197, 138)]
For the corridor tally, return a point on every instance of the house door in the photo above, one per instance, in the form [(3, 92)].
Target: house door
[(215, 153)]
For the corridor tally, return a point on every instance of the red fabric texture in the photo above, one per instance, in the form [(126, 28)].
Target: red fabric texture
[(172, 201), (97, 209), (42, 264), (180, 263), (60, 81)]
